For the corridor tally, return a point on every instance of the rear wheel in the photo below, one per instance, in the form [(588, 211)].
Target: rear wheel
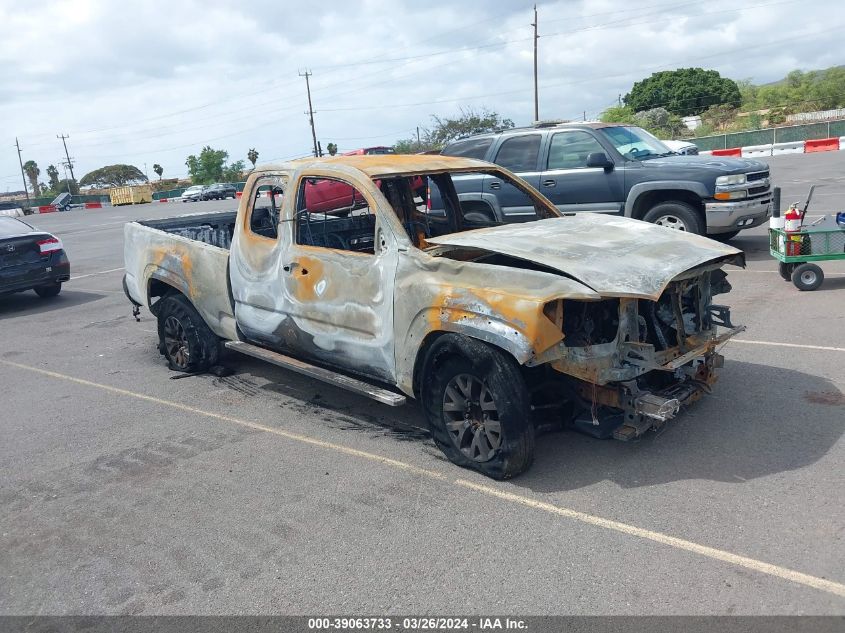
[(476, 402), (48, 291), (807, 277), (677, 215), (185, 340)]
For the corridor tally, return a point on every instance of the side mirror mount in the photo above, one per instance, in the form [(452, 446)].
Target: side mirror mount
[(599, 159)]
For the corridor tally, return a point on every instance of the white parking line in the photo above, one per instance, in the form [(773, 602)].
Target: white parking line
[(777, 344), (102, 272), (770, 272), (491, 490)]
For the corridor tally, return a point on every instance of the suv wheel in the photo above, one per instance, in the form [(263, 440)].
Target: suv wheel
[(677, 215)]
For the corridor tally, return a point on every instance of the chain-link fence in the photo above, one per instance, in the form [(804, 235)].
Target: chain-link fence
[(786, 134)]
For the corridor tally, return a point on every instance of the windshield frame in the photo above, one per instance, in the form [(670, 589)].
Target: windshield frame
[(636, 136)]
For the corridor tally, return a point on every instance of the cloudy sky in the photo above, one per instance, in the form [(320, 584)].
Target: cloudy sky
[(154, 81)]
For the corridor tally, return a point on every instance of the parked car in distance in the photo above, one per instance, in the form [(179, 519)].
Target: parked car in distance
[(219, 191), (684, 148), (31, 259), (369, 151), (192, 194), (615, 168)]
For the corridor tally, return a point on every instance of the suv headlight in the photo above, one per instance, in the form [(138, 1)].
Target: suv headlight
[(736, 179)]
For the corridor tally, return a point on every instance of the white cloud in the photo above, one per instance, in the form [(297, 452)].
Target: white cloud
[(154, 81)]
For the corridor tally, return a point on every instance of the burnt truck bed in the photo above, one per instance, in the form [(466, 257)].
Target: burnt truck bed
[(189, 253), (215, 229)]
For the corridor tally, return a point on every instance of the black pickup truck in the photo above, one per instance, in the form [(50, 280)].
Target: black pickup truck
[(613, 168)]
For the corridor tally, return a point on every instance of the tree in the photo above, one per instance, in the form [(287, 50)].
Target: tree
[(233, 172), (252, 156), (468, 123), (684, 91), (114, 176), (32, 172), (158, 169), (53, 178), (331, 148), (208, 166), (445, 130), (65, 185)]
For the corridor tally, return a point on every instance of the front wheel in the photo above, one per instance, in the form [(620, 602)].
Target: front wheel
[(185, 340), (785, 270), (807, 276), (677, 215), (477, 406)]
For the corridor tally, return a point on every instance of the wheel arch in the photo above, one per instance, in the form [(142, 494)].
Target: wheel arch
[(644, 196)]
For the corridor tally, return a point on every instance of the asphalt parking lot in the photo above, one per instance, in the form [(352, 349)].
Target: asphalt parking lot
[(126, 491)]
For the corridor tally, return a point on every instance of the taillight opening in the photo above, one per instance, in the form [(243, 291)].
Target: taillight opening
[(49, 246)]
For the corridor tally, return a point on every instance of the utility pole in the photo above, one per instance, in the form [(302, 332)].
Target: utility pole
[(23, 175), (69, 164), (536, 96), (310, 112), (418, 138)]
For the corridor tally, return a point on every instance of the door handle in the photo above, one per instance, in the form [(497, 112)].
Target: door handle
[(549, 183), (289, 267), (495, 185)]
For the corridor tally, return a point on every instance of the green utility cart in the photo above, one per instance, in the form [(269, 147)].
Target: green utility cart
[(797, 253)]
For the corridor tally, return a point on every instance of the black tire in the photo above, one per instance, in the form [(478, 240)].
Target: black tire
[(676, 215), (497, 396), (185, 340), (724, 237), (48, 291), (807, 276), (785, 270)]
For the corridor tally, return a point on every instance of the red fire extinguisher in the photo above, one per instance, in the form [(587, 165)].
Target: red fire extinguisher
[(792, 227)]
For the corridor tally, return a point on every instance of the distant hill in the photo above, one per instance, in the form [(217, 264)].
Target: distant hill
[(820, 74)]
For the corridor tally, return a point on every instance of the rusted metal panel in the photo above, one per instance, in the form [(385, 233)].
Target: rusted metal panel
[(616, 257)]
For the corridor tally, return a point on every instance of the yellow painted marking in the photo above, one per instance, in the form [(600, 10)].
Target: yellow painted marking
[(796, 345), (658, 537), (752, 564)]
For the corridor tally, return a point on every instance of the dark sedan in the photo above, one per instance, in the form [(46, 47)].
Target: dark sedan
[(219, 191), (31, 259)]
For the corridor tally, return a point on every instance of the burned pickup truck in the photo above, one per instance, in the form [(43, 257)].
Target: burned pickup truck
[(605, 323)]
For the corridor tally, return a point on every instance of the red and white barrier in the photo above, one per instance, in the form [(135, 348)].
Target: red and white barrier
[(93, 205), (776, 149), (753, 151), (47, 208), (795, 147), (821, 145)]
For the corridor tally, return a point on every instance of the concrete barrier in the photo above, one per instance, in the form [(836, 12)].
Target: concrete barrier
[(162, 199), (734, 151), (794, 147), (821, 145), (93, 205), (752, 151), (707, 152), (12, 213)]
